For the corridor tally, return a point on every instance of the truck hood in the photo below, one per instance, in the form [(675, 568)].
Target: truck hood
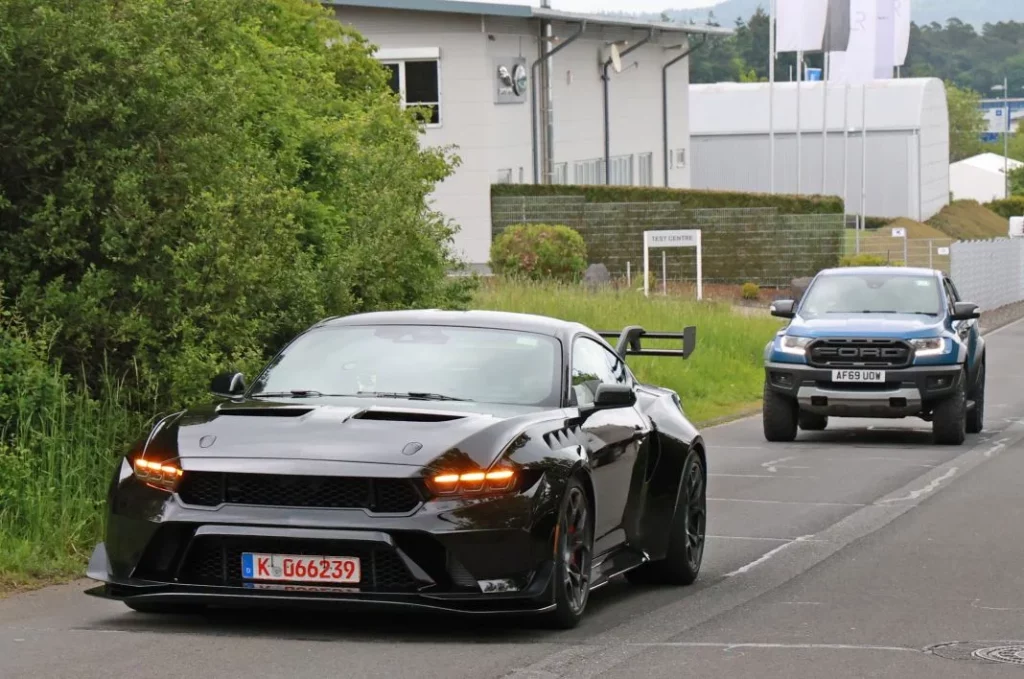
[(902, 326), (361, 434)]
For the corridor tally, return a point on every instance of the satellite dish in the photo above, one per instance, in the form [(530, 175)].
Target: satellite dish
[(613, 54)]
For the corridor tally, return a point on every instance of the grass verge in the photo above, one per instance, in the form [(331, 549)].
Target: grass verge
[(722, 377)]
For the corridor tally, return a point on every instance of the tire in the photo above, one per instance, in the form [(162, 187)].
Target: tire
[(165, 609), (813, 421), (949, 420), (779, 416), (574, 557), (687, 533), (976, 417)]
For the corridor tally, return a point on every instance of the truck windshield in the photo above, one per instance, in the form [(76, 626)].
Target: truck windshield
[(872, 293), (425, 362)]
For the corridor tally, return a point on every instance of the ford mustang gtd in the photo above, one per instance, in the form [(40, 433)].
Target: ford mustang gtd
[(476, 462)]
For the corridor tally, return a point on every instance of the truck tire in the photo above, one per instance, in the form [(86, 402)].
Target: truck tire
[(976, 416), (779, 416), (813, 421), (949, 420)]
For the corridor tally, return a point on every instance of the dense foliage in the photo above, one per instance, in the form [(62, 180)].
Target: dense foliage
[(539, 252), (185, 185)]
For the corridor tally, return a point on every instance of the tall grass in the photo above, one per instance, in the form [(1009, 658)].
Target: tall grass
[(56, 459), (724, 374)]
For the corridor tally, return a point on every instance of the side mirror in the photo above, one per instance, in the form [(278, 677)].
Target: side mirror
[(965, 311), (613, 396), (228, 385), (783, 308)]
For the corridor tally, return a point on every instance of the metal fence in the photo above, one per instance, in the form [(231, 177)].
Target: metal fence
[(989, 273), (933, 253), (758, 245)]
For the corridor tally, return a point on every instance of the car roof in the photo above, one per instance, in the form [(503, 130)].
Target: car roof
[(890, 270), (496, 320)]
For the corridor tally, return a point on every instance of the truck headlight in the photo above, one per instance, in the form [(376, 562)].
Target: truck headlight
[(932, 346), (794, 345)]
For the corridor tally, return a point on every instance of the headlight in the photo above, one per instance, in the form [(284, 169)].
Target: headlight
[(932, 346), (157, 474), (794, 345), (454, 483)]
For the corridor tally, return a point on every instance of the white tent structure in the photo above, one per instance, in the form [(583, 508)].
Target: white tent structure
[(980, 178), (907, 164)]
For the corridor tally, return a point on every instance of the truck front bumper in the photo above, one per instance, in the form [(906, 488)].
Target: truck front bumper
[(905, 393)]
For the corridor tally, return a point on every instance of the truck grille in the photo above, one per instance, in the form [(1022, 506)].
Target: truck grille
[(386, 496), (859, 353), (217, 561)]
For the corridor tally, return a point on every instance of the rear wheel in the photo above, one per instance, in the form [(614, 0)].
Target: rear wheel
[(976, 416), (949, 420), (685, 553), (779, 416), (573, 557), (813, 422), (164, 608)]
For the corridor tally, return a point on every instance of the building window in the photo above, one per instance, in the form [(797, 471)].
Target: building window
[(416, 78), (621, 170), (561, 174), (645, 171)]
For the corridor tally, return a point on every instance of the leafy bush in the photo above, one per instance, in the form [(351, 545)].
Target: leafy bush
[(751, 291), (1010, 207), (864, 259), (539, 252), (185, 185)]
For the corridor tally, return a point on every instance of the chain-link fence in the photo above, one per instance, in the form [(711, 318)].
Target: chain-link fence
[(989, 273), (932, 253), (740, 245)]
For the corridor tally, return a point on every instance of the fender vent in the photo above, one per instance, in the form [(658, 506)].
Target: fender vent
[(265, 412), (563, 438), (405, 416)]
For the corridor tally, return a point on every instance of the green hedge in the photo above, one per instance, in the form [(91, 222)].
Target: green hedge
[(1010, 207), (688, 199), (763, 239)]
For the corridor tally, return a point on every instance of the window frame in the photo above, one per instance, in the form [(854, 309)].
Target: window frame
[(399, 58), (614, 361)]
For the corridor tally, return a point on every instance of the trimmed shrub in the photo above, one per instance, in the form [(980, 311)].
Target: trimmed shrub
[(751, 291), (539, 252), (865, 259), (1010, 207)]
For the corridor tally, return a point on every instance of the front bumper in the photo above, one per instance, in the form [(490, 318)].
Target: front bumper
[(907, 391)]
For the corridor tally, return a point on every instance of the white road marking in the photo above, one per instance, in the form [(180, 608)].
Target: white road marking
[(771, 465), (974, 604), (761, 476), (902, 460), (800, 603), (767, 555), (742, 537), (787, 502), (914, 494), (803, 647), (1001, 443)]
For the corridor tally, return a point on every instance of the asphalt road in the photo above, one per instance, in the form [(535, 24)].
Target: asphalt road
[(855, 552)]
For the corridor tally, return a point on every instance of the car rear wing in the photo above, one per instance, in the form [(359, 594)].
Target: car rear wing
[(628, 341)]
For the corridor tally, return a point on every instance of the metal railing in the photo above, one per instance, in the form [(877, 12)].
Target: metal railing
[(989, 273)]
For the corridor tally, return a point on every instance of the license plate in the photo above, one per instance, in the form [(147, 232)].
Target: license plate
[(858, 376), (295, 568)]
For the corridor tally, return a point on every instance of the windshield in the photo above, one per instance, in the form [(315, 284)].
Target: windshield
[(433, 362), (866, 293)]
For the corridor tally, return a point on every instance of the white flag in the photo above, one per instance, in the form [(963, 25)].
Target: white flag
[(800, 25), (885, 40), (857, 64), (902, 31)]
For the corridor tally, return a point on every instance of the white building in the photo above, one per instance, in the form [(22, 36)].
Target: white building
[(981, 178), (475, 64), (907, 163)]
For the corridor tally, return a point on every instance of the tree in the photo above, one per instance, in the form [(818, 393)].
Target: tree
[(966, 122), (184, 185)]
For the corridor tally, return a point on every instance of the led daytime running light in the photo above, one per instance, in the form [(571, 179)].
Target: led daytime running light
[(158, 474), (472, 482)]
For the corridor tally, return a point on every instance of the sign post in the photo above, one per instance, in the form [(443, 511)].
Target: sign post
[(900, 232), (672, 238)]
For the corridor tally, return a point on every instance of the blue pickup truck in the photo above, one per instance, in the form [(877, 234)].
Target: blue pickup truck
[(876, 342)]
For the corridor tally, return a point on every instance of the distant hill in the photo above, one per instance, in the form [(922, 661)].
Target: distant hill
[(975, 12)]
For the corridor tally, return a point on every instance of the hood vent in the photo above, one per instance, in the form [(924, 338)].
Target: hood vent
[(265, 412), (406, 416)]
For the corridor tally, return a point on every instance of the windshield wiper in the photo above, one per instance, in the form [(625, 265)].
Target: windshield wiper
[(294, 393), (413, 395), (885, 311)]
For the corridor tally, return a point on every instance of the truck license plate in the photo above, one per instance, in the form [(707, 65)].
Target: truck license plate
[(870, 376)]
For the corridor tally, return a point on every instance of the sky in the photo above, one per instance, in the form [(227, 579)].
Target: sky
[(612, 5)]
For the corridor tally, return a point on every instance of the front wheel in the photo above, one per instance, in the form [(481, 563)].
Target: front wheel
[(573, 557), (779, 416), (976, 416), (685, 553), (949, 419)]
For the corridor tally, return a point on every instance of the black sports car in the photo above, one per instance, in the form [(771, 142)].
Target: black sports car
[(477, 462)]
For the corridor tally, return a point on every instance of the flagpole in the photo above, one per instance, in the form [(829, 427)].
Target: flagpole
[(864, 157), (799, 136), (824, 125), (771, 96), (846, 147)]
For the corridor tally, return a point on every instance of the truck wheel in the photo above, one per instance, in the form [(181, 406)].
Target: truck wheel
[(976, 417), (949, 420), (813, 422), (779, 416)]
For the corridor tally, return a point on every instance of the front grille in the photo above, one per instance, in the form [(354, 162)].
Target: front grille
[(386, 496), (859, 353), (218, 561)]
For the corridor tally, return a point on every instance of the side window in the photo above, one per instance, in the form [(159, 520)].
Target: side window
[(951, 293), (591, 365)]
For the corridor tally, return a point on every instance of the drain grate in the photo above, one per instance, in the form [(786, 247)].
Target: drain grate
[(1001, 652)]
